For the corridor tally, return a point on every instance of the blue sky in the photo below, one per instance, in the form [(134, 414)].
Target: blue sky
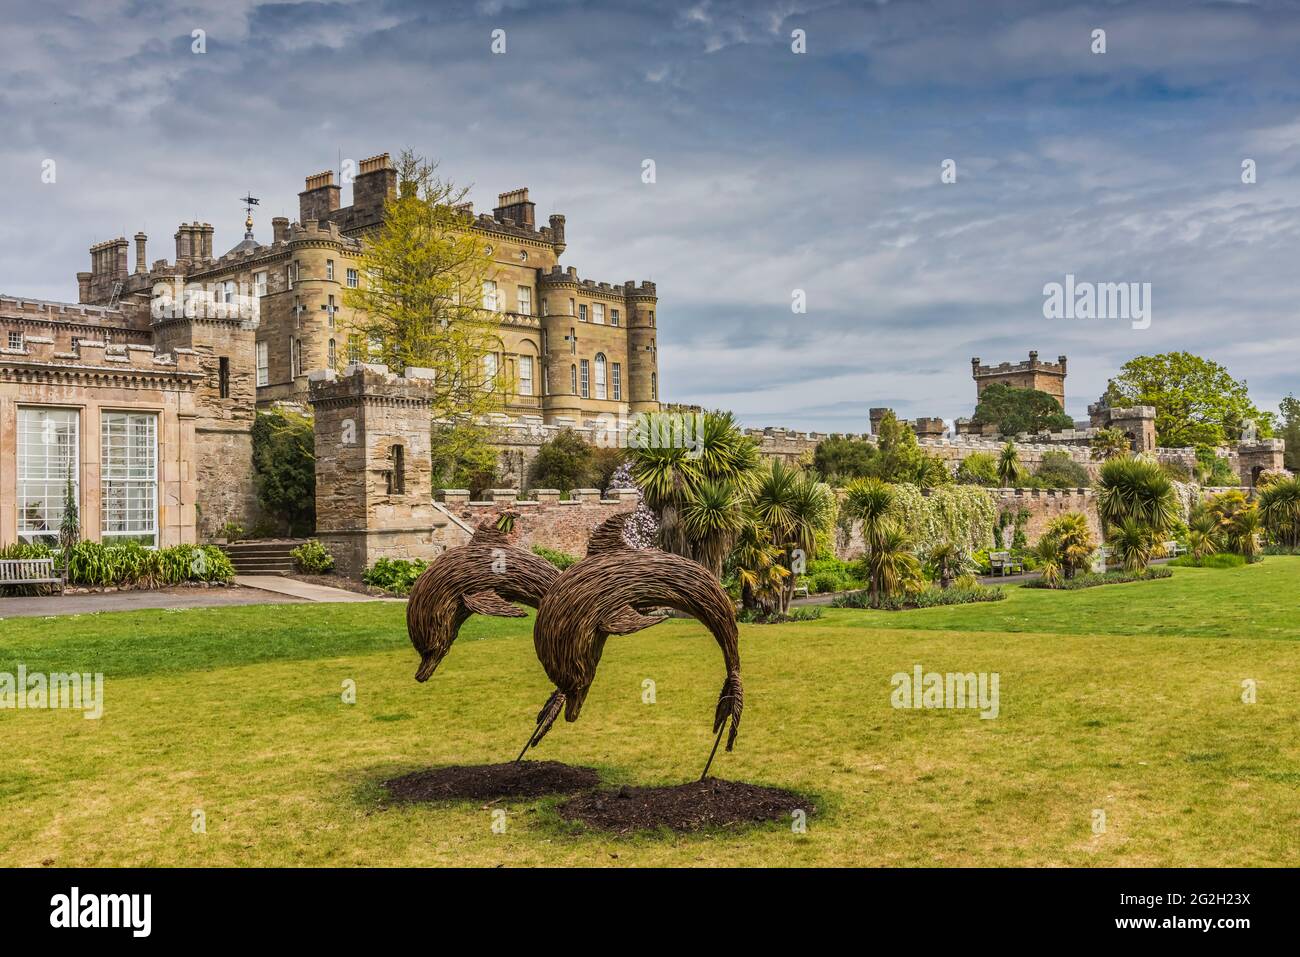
[(776, 171)]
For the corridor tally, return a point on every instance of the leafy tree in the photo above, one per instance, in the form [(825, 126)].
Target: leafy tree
[(70, 527), (1013, 410), (1214, 470), (1133, 543), (1202, 535), (284, 458), (1197, 402), (978, 468), (839, 459), (1058, 470), (462, 457), (1109, 443), (423, 297), (1290, 431), (563, 462)]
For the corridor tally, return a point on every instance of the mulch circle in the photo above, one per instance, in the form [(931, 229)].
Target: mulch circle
[(684, 807), (521, 779)]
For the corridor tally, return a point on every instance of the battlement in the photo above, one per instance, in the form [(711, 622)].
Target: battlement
[(38, 353), (560, 276), (44, 309), (1033, 364)]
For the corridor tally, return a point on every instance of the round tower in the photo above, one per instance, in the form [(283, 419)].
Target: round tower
[(642, 347)]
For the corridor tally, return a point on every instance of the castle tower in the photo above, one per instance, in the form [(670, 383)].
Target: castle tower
[(1138, 422), (642, 347), (1046, 377), (374, 495)]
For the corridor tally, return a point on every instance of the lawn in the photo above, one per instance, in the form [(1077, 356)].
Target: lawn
[(1124, 699)]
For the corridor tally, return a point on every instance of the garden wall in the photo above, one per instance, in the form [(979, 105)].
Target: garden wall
[(544, 519)]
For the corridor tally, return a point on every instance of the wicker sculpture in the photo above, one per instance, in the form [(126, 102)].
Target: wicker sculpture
[(483, 576), (605, 594)]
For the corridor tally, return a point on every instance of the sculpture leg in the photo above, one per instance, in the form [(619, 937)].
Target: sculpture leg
[(545, 718)]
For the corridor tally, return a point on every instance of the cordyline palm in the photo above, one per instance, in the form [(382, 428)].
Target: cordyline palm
[(1136, 488), (672, 476), (892, 567), (946, 559), (795, 507), (758, 566), (1133, 543), (1074, 542), (1010, 471), (1279, 508), (1203, 535), (1048, 553), (1242, 532), (872, 502)]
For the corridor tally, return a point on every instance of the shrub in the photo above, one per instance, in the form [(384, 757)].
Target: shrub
[(284, 457), (395, 575), (1220, 560), (97, 565), (1279, 507), (1092, 579), (560, 560), (831, 574), (1058, 470), (757, 616), (563, 462), (930, 597), (313, 558), (978, 468)]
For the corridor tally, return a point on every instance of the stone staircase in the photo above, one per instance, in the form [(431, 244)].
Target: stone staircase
[(263, 557)]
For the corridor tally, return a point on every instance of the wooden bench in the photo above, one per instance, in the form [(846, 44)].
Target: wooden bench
[(800, 591), (1173, 549), (1001, 563), (29, 571)]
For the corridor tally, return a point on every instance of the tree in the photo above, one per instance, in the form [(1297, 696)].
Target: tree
[(1013, 410), (872, 502), (1109, 443), (1197, 402), (1072, 541), (423, 300), (1010, 471), (1058, 470), (795, 508), (1289, 408), (462, 457), (1202, 535), (70, 527), (978, 468), (285, 462), (697, 490), (1279, 507), (1136, 488), (758, 567), (563, 462), (1133, 543), (1238, 522), (840, 459)]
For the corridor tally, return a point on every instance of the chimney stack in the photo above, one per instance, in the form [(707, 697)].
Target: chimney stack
[(376, 181), (319, 198), (140, 240), (514, 205), (280, 229)]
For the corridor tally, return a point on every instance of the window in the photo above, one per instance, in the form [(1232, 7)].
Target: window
[(15, 340), (598, 313), (600, 376), (652, 317), (489, 295), (546, 310), (525, 375), (295, 356), (228, 291), (263, 371), (223, 377), (329, 269), (47, 453), (572, 308), (525, 300), (654, 386), (573, 379), (616, 371), (586, 378), (330, 310), (290, 274), (613, 317), (397, 470), (129, 476), (259, 283), (573, 341), (489, 370), (352, 279), (582, 313), (355, 347), (333, 354), (374, 348), (297, 311)]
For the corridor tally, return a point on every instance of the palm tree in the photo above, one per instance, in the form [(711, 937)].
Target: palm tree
[(1279, 507), (1134, 543), (1010, 471), (1109, 443), (1136, 487), (892, 567), (947, 560), (796, 508), (1202, 535), (1048, 553), (673, 475), (758, 567), (1073, 540), (1243, 532)]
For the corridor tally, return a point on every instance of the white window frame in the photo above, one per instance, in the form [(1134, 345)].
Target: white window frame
[(598, 313), (329, 269), (613, 317), (582, 312), (259, 283), (602, 365), (616, 380), (44, 481), (14, 339), (489, 370), (352, 279), (525, 294), (584, 375), (139, 471), (491, 297), (525, 375), (263, 363)]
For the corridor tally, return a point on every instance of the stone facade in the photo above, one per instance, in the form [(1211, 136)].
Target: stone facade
[(544, 518), (93, 386), (1046, 377)]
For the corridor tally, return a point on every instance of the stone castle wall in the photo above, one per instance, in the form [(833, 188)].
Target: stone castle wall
[(544, 519)]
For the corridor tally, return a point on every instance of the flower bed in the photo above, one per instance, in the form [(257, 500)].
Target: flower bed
[(1092, 579)]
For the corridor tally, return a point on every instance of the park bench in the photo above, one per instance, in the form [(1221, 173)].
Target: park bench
[(801, 591), (29, 571), (1173, 549), (1001, 563)]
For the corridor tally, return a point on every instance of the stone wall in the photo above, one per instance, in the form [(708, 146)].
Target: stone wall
[(544, 519)]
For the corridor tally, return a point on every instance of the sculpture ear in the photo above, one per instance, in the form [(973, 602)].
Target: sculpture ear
[(490, 603), (626, 620)]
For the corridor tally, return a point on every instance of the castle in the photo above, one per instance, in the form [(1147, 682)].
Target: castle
[(148, 406)]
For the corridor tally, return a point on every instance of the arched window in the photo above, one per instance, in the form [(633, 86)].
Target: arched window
[(600, 376), (333, 353), (654, 386), (573, 380), (397, 470)]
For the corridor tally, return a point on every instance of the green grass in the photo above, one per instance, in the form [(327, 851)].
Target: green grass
[(1124, 699)]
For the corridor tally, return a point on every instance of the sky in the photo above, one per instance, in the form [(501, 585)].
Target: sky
[(778, 174)]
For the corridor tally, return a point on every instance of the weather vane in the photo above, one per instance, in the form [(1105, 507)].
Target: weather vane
[(249, 202)]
